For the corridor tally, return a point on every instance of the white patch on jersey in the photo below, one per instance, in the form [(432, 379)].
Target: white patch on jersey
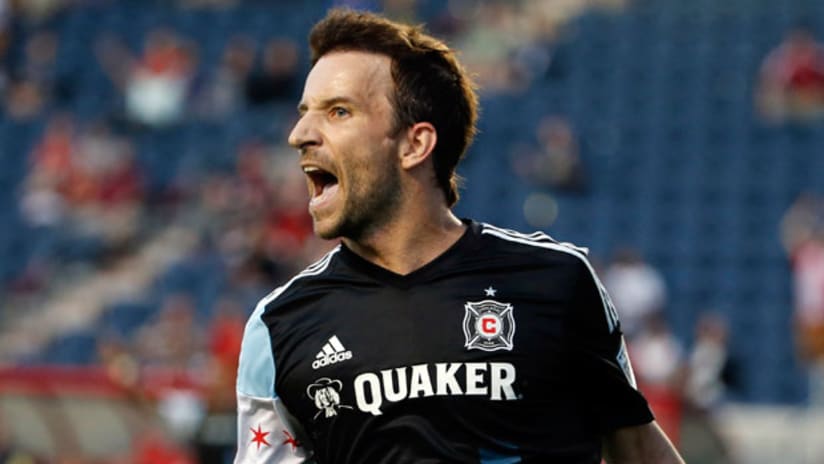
[(268, 433), (331, 353), (488, 325)]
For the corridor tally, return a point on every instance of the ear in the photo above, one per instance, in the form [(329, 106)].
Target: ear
[(419, 143)]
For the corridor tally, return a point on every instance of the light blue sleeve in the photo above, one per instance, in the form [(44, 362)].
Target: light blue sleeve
[(256, 369), (266, 431)]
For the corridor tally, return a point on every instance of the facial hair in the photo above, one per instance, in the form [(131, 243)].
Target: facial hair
[(372, 201)]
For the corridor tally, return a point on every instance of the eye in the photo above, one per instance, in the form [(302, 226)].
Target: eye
[(339, 112)]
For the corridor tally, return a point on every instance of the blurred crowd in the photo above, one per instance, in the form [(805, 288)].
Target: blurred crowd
[(802, 233), (790, 86), (85, 186), (684, 385), (84, 183)]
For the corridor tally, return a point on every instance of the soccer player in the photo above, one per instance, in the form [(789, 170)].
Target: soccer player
[(423, 338)]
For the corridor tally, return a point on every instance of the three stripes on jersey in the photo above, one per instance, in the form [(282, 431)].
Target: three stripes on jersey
[(331, 353)]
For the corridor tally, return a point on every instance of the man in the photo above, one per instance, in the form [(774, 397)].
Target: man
[(423, 338)]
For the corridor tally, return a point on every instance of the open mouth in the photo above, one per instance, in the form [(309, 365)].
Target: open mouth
[(321, 181)]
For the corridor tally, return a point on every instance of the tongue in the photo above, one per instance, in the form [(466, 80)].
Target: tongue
[(328, 191)]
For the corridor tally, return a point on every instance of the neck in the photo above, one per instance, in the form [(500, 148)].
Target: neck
[(410, 241)]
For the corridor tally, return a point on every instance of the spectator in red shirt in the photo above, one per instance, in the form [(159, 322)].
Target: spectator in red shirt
[(791, 81), (802, 232)]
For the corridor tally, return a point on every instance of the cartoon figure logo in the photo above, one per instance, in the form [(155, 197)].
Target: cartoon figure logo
[(325, 393), (488, 325)]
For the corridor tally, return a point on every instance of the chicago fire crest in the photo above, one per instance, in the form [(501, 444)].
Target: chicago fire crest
[(488, 325)]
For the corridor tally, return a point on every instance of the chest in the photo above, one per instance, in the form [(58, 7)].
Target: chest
[(368, 351)]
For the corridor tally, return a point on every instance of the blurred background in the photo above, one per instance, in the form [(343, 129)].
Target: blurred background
[(148, 199)]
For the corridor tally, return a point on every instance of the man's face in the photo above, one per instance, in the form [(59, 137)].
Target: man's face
[(348, 150)]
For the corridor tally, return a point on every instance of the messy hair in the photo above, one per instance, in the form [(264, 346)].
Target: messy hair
[(430, 84)]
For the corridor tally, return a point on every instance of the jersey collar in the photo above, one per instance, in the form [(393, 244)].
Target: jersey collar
[(423, 273)]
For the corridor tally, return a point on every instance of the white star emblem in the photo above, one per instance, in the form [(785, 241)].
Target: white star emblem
[(490, 291)]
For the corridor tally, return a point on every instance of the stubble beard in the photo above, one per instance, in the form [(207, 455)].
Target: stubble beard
[(369, 206)]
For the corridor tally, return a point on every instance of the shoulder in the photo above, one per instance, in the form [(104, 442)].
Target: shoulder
[(256, 370), (303, 278), (564, 263), (537, 245), (568, 265)]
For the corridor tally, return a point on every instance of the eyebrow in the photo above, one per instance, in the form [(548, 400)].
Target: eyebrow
[(326, 103)]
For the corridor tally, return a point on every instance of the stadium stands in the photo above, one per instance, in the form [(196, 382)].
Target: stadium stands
[(679, 165)]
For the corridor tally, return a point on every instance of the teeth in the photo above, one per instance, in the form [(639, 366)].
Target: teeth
[(310, 169)]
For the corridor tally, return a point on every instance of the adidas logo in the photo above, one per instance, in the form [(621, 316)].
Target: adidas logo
[(332, 352)]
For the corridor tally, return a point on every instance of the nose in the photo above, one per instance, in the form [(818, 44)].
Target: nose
[(304, 134)]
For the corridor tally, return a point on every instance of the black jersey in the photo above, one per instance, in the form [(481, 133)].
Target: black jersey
[(506, 348)]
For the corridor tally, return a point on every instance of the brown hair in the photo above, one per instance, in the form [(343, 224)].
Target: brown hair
[(430, 83)]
